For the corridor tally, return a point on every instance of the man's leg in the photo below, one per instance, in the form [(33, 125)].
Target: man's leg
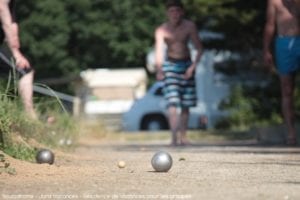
[(173, 121), (287, 105), (26, 92), (183, 126)]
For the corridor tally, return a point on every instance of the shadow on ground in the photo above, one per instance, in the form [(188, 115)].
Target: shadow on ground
[(238, 147)]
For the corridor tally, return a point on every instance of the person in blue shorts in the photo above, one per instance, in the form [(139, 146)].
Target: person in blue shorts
[(283, 18), (176, 68)]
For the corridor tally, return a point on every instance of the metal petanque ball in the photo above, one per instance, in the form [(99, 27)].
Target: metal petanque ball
[(45, 156), (162, 161)]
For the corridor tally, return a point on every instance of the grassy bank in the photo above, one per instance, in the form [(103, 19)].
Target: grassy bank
[(21, 137)]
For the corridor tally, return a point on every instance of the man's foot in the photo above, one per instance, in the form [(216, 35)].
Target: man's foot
[(184, 141), (173, 144)]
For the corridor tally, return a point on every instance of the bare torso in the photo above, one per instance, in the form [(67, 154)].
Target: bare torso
[(177, 39), (287, 18)]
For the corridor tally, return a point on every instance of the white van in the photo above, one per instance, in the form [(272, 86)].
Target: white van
[(150, 113)]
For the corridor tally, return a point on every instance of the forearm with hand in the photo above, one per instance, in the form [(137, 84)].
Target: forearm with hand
[(159, 71), (20, 59), (190, 71)]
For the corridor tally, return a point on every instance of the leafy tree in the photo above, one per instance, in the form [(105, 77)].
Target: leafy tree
[(44, 33), (64, 37), (250, 106), (241, 21)]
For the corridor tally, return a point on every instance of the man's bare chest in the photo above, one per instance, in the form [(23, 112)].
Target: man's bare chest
[(288, 10), (180, 36)]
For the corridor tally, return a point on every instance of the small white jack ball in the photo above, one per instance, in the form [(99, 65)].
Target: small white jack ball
[(121, 164), (162, 161)]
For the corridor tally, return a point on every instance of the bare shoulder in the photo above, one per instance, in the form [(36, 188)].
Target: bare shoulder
[(3, 3), (275, 3), (189, 24)]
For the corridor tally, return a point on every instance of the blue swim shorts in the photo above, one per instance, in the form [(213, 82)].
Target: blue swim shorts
[(287, 49), (178, 91)]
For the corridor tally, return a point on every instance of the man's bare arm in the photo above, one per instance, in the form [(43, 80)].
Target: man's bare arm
[(198, 46), (159, 52), (21, 60), (269, 32), (11, 32), (6, 21), (197, 43)]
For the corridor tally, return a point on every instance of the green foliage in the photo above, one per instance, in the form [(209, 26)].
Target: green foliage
[(250, 106), (64, 37), (5, 166), (20, 136), (11, 122), (44, 33), (241, 21), (21, 152)]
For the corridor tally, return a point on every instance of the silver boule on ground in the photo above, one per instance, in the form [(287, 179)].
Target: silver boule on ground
[(162, 161), (45, 156)]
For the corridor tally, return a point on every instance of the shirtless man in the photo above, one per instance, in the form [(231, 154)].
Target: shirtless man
[(178, 70), (283, 19), (10, 34)]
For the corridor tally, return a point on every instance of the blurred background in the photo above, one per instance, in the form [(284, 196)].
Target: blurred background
[(63, 38), (69, 40)]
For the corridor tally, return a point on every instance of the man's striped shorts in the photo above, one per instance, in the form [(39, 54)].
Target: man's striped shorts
[(178, 91)]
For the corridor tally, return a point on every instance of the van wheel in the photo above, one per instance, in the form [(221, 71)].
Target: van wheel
[(154, 123)]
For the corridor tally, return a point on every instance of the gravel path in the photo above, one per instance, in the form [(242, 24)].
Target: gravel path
[(201, 171)]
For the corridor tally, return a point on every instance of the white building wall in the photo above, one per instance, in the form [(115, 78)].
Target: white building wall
[(210, 91)]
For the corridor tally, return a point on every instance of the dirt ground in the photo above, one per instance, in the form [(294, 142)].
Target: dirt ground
[(223, 170)]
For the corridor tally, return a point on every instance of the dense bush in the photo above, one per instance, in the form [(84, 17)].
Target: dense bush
[(254, 105)]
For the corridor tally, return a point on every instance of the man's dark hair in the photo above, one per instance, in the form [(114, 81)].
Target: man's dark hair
[(176, 3)]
